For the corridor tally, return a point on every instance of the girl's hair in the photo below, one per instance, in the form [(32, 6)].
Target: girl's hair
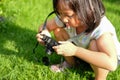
[(89, 12)]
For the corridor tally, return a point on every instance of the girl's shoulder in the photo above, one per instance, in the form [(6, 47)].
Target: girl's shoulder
[(104, 26)]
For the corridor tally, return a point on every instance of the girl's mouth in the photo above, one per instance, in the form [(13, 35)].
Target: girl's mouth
[(67, 25)]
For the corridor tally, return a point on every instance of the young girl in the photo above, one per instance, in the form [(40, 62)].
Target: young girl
[(84, 23)]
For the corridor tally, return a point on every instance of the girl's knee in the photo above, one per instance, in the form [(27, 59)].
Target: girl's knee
[(93, 45), (57, 31), (61, 34)]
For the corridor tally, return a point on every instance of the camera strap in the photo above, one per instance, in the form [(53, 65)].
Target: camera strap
[(43, 28), (45, 22)]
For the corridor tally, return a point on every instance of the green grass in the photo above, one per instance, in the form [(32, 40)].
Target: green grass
[(19, 22)]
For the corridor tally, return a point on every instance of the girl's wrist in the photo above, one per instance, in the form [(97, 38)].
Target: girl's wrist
[(76, 52)]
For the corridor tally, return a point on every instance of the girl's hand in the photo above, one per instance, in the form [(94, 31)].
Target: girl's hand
[(66, 48), (39, 36)]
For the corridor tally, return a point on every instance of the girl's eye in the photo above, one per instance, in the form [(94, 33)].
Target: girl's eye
[(64, 15), (70, 16)]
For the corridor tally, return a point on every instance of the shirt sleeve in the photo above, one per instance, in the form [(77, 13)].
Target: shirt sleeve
[(58, 22), (104, 26)]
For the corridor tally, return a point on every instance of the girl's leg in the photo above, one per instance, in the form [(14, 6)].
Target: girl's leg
[(100, 74)]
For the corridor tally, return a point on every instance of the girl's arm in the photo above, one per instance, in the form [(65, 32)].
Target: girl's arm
[(105, 57)]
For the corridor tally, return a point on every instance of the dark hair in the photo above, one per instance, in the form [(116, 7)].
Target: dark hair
[(89, 12)]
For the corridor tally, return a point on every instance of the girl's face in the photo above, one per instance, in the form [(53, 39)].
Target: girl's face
[(68, 16)]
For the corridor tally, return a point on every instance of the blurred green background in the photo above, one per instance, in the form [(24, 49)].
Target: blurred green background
[(19, 22)]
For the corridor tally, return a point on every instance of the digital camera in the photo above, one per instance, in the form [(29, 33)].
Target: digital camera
[(49, 43)]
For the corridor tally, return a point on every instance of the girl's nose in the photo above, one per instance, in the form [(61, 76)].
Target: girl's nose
[(65, 20)]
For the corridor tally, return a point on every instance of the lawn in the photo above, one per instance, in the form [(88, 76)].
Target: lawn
[(19, 22)]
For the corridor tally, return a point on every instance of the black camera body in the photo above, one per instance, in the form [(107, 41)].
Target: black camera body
[(49, 43)]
